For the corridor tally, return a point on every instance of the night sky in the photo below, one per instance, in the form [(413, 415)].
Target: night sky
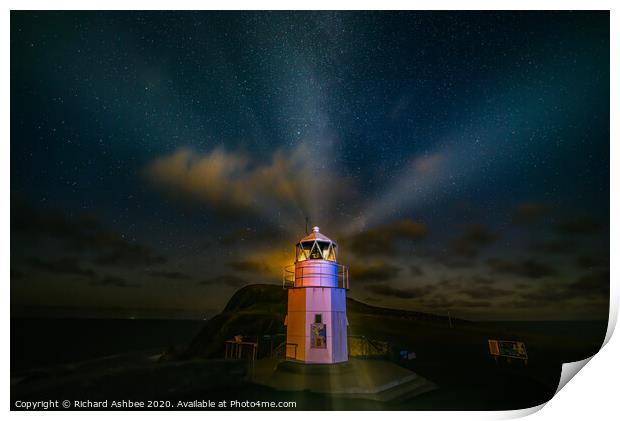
[(160, 160)]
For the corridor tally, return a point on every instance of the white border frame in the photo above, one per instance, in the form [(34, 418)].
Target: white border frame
[(591, 395)]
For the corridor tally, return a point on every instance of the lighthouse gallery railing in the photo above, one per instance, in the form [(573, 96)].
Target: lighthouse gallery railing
[(342, 275)]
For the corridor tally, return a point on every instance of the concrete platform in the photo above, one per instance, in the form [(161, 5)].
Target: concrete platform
[(378, 380)]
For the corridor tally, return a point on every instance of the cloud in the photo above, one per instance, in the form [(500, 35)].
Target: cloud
[(557, 246), (528, 213), (128, 255), (228, 280), (29, 221), (481, 280), (528, 268), (217, 177), (172, 275), (444, 303), (293, 183), (485, 292), (416, 270), (252, 266), (266, 263), (591, 261), (461, 282), (473, 238), (388, 291), (447, 283), (62, 266), (71, 266), (80, 234), (114, 281), (590, 286), (361, 272), (462, 251), (578, 226), (446, 259), (382, 239)]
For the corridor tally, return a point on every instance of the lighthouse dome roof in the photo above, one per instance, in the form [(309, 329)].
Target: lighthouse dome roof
[(315, 235)]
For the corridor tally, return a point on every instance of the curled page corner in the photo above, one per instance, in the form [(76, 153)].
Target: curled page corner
[(520, 413), (569, 370), (613, 315)]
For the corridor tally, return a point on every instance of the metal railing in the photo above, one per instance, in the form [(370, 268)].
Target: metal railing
[(363, 347), (342, 276), (239, 350)]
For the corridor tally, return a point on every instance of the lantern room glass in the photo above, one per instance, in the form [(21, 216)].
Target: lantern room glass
[(316, 249)]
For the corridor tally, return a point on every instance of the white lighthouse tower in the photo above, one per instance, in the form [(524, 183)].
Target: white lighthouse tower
[(316, 321)]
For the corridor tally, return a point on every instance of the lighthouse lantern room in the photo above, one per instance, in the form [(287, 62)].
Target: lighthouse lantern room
[(316, 321)]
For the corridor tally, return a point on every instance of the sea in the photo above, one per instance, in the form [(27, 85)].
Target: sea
[(40, 342)]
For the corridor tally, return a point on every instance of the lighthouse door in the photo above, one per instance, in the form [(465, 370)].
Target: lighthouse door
[(318, 334)]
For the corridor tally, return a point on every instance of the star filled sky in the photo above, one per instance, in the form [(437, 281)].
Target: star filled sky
[(162, 160)]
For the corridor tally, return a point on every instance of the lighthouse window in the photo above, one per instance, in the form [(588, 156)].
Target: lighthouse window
[(324, 248), (316, 252), (318, 318), (332, 253), (307, 247), (301, 255)]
